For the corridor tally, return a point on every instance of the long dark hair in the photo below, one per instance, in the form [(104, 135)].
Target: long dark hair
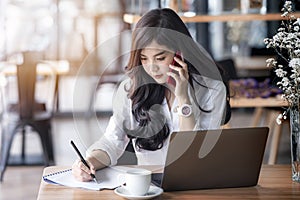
[(166, 28)]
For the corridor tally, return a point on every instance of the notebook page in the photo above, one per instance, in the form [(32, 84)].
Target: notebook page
[(107, 178)]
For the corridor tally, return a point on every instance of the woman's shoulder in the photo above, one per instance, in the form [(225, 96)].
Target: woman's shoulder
[(125, 82), (121, 94), (209, 82), (124, 85), (121, 101)]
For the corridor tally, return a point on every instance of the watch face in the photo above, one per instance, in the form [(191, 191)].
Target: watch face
[(186, 110)]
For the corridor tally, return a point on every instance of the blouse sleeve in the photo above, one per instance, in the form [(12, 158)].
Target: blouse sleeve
[(115, 140)]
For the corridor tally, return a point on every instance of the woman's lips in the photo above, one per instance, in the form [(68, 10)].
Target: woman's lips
[(158, 76)]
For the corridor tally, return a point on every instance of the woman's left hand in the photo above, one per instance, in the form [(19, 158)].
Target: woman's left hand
[(181, 78)]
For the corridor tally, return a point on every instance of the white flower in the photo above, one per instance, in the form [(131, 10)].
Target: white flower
[(271, 62), (280, 73), (287, 6), (294, 63), (286, 42), (279, 119), (297, 22), (285, 14), (297, 51), (285, 81)]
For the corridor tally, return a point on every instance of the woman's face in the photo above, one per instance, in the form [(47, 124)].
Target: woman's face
[(155, 59)]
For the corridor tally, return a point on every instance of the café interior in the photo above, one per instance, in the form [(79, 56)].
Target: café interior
[(78, 48)]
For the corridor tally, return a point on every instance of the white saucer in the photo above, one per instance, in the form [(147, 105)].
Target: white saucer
[(153, 192)]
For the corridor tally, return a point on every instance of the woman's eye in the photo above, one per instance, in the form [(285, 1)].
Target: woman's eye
[(161, 59)]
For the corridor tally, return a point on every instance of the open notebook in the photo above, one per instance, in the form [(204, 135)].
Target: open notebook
[(107, 178)]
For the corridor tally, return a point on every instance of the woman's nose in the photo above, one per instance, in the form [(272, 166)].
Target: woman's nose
[(153, 66)]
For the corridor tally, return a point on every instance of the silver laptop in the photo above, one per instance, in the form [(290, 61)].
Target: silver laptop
[(212, 159)]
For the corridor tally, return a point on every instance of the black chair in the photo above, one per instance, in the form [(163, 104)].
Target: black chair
[(229, 68), (27, 113)]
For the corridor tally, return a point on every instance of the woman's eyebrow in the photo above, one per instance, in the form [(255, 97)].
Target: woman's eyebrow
[(158, 54)]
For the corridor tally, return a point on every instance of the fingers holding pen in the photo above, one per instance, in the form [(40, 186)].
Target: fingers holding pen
[(79, 173), (82, 172)]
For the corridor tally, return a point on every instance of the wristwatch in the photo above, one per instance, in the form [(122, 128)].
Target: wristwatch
[(185, 110)]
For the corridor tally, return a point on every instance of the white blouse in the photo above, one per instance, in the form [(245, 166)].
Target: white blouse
[(115, 140)]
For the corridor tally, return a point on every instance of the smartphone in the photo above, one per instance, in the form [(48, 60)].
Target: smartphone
[(171, 80)]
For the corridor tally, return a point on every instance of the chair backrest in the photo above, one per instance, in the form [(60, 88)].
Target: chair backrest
[(30, 86), (229, 68), (228, 72), (26, 76)]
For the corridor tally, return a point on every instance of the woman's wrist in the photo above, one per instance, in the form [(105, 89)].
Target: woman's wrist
[(99, 159), (183, 100)]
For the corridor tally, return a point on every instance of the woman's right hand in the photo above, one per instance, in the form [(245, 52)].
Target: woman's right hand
[(82, 172), (97, 159)]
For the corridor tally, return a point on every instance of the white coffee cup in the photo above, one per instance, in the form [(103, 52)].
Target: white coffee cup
[(137, 181)]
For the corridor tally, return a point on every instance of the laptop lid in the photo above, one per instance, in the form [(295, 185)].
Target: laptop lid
[(212, 159)]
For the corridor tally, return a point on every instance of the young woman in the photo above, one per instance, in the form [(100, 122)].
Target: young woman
[(172, 85)]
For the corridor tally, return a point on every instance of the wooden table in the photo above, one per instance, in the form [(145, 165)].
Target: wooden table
[(252, 66), (274, 183), (259, 104), (243, 102)]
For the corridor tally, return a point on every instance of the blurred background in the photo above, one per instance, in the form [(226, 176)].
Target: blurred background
[(70, 30), (85, 40)]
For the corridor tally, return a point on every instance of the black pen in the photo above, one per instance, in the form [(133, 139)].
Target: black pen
[(83, 160)]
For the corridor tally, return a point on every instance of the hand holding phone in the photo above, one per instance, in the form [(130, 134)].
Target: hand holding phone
[(171, 79)]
